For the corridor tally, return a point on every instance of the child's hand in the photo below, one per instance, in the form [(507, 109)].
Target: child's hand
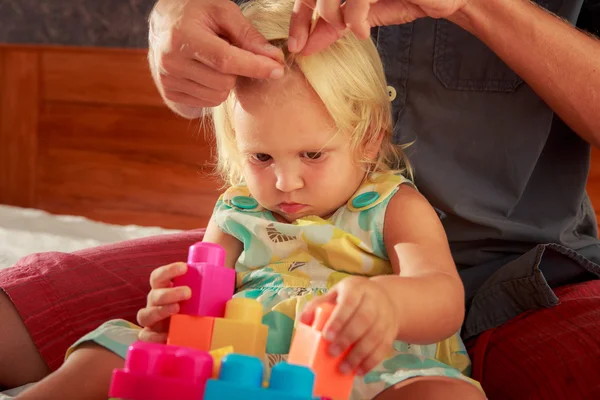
[(364, 318), (163, 301)]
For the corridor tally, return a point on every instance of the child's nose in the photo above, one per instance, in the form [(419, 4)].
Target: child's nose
[(289, 179)]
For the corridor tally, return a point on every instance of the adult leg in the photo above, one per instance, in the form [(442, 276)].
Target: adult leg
[(547, 354), (60, 297)]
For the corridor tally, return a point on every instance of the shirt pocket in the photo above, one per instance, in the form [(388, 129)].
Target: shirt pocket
[(462, 62)]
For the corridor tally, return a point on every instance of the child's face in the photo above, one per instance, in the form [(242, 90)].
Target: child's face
[(293, 162)]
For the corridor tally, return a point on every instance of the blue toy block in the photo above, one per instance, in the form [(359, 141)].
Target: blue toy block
[(241, 378)]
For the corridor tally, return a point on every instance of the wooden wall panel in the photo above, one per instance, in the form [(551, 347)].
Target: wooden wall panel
[(19, 104), (84, 132), (125, 165), (99, 76)]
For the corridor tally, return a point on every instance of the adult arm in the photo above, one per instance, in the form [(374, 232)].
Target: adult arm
[(558, 61)]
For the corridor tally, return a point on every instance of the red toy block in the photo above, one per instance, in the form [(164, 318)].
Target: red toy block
[(191, 331), (310, 348)]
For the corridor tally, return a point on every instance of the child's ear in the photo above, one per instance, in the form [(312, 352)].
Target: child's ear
[(371, 149)]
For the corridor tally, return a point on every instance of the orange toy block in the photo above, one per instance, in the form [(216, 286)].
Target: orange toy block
[(309, 348), (191, 331), (241, 328)]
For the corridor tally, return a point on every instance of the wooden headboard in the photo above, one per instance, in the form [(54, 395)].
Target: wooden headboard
[(84, 132)]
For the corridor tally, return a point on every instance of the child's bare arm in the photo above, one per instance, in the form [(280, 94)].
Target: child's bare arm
[(86, 374), (426, 289), (233, 247)]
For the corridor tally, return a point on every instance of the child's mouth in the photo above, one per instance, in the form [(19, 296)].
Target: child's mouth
[(291, 208)]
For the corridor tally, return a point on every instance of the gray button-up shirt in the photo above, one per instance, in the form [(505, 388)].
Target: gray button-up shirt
[(505, 174)]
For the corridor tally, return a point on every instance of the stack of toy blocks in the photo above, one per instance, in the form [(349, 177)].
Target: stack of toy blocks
[(209, 320), (310, 348)]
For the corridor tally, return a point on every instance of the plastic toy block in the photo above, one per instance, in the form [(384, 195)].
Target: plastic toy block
[(218, 356), (310, 348), (191, 331), (241, 328), (156, 372), (211, 282), (241, 378)]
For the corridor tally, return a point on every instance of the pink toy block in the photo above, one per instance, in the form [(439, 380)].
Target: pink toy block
[(211, 282), (156, 372)]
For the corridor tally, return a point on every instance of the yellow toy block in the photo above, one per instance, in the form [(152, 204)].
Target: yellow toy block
[(217, 356), (241, 328)]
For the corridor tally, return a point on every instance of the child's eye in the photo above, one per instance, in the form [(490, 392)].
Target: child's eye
[(262, 157), (313, 155)]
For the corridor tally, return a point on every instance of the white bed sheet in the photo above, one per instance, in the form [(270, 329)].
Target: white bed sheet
[(25, 231)]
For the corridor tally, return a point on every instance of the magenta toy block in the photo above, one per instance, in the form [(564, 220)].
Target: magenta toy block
[(156, 372), (211, 282)]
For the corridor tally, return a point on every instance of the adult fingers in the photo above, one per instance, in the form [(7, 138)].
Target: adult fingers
[(356, 14), (184, 91), (330, 11), (188, 69), (323, 36), (228, 59), (231, 23), (300, 24)]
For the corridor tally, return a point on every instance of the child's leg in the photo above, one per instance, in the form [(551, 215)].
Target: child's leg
[(432, 388), (86, 374), (20, 362)]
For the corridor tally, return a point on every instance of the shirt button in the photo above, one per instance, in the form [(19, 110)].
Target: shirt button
[(244, 202), (365, 199), (391, 93)]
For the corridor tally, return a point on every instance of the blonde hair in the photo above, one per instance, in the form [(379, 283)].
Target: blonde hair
[(349, 79)]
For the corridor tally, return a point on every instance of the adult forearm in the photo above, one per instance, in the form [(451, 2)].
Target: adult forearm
[(430, 307), (559, 62)]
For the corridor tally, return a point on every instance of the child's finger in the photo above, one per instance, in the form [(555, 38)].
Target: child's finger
[(161, 277), (362, 349), (165, 296), (350, 333), (374, 358), (308, 314), (148, 335), (150, 316), (349, 296)]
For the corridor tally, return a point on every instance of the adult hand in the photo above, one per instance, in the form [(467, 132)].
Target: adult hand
[(163, 302), (358, 16), (198, 48)]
